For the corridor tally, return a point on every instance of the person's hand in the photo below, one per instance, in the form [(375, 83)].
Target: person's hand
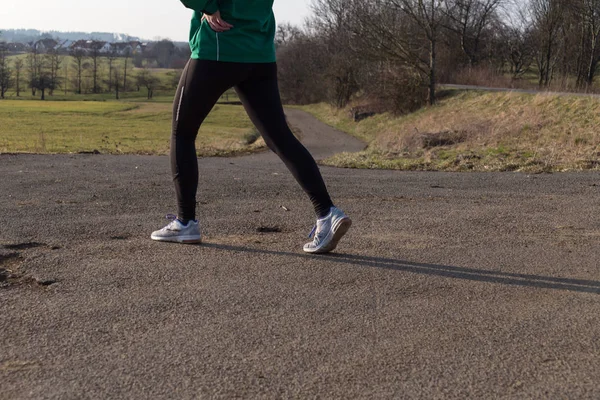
[(216, 23)]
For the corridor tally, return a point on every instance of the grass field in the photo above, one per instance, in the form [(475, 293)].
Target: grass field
[(478, 131), (160, 96), (115, 127)]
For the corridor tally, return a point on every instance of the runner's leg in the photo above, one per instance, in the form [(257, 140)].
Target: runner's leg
[(202, 84), (260, 96)]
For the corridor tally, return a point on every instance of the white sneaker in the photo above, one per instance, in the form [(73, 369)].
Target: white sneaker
[(328, 232), (178, 233)]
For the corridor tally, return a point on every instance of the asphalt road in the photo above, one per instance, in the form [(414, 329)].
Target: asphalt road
[(448, 285)]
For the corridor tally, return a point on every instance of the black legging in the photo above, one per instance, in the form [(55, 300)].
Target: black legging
[(201, 85)]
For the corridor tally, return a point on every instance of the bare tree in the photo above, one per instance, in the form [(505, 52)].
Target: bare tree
[(406, 32), (117, 80), (588, 17), (5, 70), (127, 55), (287, 34), (53, 61), (66, 79), (110, 58), (427, 15), (301, 65), (33, 66), (94, 54), (43, 80), (519, 52), (517, 39), (547, 19), (353, 49), (375, 51), (18, 72), (78, 55), (163, 52), (332, 19), (469, 19), (146, 79)]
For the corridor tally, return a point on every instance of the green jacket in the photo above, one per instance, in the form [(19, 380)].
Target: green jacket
[(251, 40)]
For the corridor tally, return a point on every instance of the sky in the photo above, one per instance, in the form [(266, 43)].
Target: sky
[(147, 19)]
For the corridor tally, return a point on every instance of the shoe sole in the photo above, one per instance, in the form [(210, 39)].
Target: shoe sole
[(339, 231), (182, 240)]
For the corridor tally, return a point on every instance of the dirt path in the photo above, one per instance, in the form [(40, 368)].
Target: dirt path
[(322, 140), (448, 285)]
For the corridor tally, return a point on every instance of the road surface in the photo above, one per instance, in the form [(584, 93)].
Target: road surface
[(448, 286)]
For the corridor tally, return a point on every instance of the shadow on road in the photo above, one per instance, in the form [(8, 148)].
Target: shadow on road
[(472, 274)]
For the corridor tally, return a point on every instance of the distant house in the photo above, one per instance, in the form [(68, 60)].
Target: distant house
[(79, 45), (62, 46), (95, 45), (136, 47), (44, 45), (106, 48), (17, 47), (65, 44), (122, 48)]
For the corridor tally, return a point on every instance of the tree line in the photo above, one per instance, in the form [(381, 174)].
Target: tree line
[(87, 70), (396, 52)]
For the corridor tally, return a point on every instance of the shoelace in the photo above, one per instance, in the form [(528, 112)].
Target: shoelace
[(171, 217), (312, 233)]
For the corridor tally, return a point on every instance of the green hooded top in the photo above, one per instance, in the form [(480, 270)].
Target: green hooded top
[(251, 40)]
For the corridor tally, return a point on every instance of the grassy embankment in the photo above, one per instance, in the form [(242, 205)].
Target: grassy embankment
[(477, 131), (113, 127)]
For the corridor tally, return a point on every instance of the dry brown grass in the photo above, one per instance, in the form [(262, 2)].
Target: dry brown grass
[(487, 77), (488, 132)]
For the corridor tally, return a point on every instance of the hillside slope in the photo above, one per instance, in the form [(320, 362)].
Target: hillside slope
[(478, 131)]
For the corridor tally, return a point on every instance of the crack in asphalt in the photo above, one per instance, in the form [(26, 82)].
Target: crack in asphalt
[(11, 274)]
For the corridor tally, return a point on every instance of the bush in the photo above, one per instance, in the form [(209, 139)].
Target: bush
[(251, 137)]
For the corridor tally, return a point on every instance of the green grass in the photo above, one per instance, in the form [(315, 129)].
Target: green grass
[(493, 131), (115, 127), (160, 96)]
